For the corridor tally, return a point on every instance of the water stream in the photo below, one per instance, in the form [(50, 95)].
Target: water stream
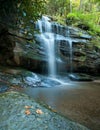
[(71, 55), (49, 40), (79, 101)]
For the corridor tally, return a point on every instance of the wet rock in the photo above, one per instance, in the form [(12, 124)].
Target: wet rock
[(18, 48), (6, 46), (83, 26), (18, 111), (24, 78), (47, 82), (20, 77), (70, 31), (33, 81), (3, 87), (59, 29), (80, 77), (78, 33)]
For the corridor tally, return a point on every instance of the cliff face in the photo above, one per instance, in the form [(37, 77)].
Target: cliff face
[(75, 49), (8, 16), (19, 46)]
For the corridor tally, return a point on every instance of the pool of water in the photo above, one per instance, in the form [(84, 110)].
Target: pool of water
[(79, 101)]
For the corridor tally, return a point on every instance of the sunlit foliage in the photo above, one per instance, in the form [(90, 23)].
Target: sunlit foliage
[(77, 12), (57, 7), (32, 9)]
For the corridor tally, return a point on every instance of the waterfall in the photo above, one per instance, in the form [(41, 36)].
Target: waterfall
[(71, 56), (51, 36), (48, 40), (70, 50)]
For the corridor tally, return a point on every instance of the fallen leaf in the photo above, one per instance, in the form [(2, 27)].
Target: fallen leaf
[(27, 107), (54, 110), (39, 111), (27, 112)]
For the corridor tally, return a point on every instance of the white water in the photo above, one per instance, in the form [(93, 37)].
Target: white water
[(71, 66), (69, 40), (47, 38), (70, 50)]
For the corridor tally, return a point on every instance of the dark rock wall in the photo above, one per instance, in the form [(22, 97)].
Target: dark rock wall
[(19, 49), (85, 56), (6, 46)]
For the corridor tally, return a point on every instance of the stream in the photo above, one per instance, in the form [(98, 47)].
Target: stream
[(78, 101)]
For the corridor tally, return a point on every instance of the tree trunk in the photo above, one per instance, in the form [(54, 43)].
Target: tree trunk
[(70, 6), (81, 5)]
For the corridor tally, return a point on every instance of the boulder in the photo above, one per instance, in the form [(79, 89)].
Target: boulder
[(18, 111), (24, 78)]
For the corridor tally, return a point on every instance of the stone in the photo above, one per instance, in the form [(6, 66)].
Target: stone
[(80, 77), (3, 87), (14, 116), (47, 82), (17, 49), (24, 78)]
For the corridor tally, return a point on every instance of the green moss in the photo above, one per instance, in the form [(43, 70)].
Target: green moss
[(82, 58), (96, 41)]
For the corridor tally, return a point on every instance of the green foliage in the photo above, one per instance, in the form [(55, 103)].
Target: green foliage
[(81, 13), (84, 12), (72, 18), (18, 11), (31, 9), (59, 19), (96, 41), (88, 20), (57, 7)]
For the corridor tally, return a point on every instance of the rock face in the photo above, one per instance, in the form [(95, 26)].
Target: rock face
[(73, 48), (79, 77), (18, 49), (85, 55), (18, 111), (6, 46), (86, 58)]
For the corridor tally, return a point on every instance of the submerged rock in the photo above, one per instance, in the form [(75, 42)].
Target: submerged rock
[(33, 80), (19, 112), (25, 78), (48, 82), (19, 77), (80, 77)]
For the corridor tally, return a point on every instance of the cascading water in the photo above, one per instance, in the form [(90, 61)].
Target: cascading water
[(48, 39), (71, 67), (70, 50)]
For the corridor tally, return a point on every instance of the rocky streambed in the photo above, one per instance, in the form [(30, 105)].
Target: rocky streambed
[(75, 100)]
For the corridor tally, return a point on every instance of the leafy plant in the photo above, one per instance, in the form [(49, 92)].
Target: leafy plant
[(87, 21)]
